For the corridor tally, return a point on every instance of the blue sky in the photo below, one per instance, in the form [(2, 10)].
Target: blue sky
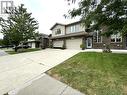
[(47, 12)]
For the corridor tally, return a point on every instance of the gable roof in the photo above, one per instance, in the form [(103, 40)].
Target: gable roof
[(73, 23), (65, 24), (56, 24)]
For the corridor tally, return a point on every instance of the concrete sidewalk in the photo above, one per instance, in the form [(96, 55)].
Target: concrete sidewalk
[(100, 50), (46, 85)]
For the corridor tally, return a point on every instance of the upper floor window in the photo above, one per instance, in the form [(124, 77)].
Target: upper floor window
[(116, 38), (58, 31), (73, 28), (97, 37)]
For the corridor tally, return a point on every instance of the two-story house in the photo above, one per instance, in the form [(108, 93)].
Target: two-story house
[(73, 35)]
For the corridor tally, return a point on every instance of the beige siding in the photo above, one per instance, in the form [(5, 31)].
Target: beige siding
[(57, 43), (78, 28), (58, 27), (73, 43)]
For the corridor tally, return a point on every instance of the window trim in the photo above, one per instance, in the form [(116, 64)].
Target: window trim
[(116, 38), (97, 37), (57, 31), (73, 28)]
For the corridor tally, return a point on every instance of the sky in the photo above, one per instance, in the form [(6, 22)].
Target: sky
[(47, 12)]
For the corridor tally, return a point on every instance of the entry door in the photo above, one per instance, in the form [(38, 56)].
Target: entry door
[(89, 43)]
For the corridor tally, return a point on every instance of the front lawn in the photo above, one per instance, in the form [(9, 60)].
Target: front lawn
[(94, 73), (23, 50)]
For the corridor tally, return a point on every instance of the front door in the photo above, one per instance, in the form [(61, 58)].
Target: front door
[(89, 42)]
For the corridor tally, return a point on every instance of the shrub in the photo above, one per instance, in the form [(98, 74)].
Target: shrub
[(107, 49), (50, 46), (63, 47), (82, 46), (6, 94)]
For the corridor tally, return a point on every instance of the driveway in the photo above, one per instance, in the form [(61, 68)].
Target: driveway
[(3, 53), (20, 69)]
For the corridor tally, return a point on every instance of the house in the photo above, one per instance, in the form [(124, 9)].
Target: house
[(73, 35), (32, 43), (42, 41)]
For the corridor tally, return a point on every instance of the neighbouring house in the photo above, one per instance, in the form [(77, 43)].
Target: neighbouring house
[(73, 35), (32, 43), (42, 41)]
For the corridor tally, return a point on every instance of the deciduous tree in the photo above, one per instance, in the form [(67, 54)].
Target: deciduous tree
[(109, 13), (19, 26)]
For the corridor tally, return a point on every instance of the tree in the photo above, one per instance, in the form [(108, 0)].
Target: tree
[(19, 26), (109, 13), (1, 42), (6, 41)]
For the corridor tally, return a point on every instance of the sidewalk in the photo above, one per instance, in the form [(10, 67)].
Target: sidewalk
[(100, 50), (46, 85)]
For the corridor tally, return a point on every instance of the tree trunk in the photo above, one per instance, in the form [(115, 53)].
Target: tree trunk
[(16, 49)]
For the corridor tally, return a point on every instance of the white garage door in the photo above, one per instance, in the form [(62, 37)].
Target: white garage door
[(57, 43), (73, 43)]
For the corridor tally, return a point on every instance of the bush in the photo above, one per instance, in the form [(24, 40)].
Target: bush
[(63, 47), (107, 49), (6, 94), (82, 46), (50, 46)]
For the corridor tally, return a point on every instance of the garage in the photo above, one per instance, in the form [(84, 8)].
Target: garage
[(58, 43), (73, 43)]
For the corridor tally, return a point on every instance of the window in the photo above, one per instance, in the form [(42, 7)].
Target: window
[(97, 37), (116, 38), (58, 31), (73, 28)]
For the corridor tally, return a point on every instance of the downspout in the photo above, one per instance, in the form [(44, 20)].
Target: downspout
[(65, 38)]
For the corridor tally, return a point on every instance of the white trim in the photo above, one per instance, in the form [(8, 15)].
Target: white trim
[(91, 44), (73, 28), (97, 37), (115, 36)]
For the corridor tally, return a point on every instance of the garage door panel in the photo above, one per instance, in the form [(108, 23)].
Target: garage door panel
[(57, 43), (73, 43)]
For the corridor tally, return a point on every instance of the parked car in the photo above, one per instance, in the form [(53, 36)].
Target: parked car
[(6, 46), (22, 46), (1, 46)]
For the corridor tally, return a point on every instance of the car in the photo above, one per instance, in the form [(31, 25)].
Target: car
[(2, 47), (22, 46)]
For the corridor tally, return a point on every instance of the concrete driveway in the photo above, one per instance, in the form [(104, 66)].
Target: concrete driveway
[(3, 53), (17, 70)]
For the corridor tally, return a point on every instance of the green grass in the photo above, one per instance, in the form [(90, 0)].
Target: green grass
[(94, 73), (23, 50)]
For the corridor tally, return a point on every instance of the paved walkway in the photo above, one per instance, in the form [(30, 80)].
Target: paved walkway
[(100, 50), (46, 85), (17, 70)]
